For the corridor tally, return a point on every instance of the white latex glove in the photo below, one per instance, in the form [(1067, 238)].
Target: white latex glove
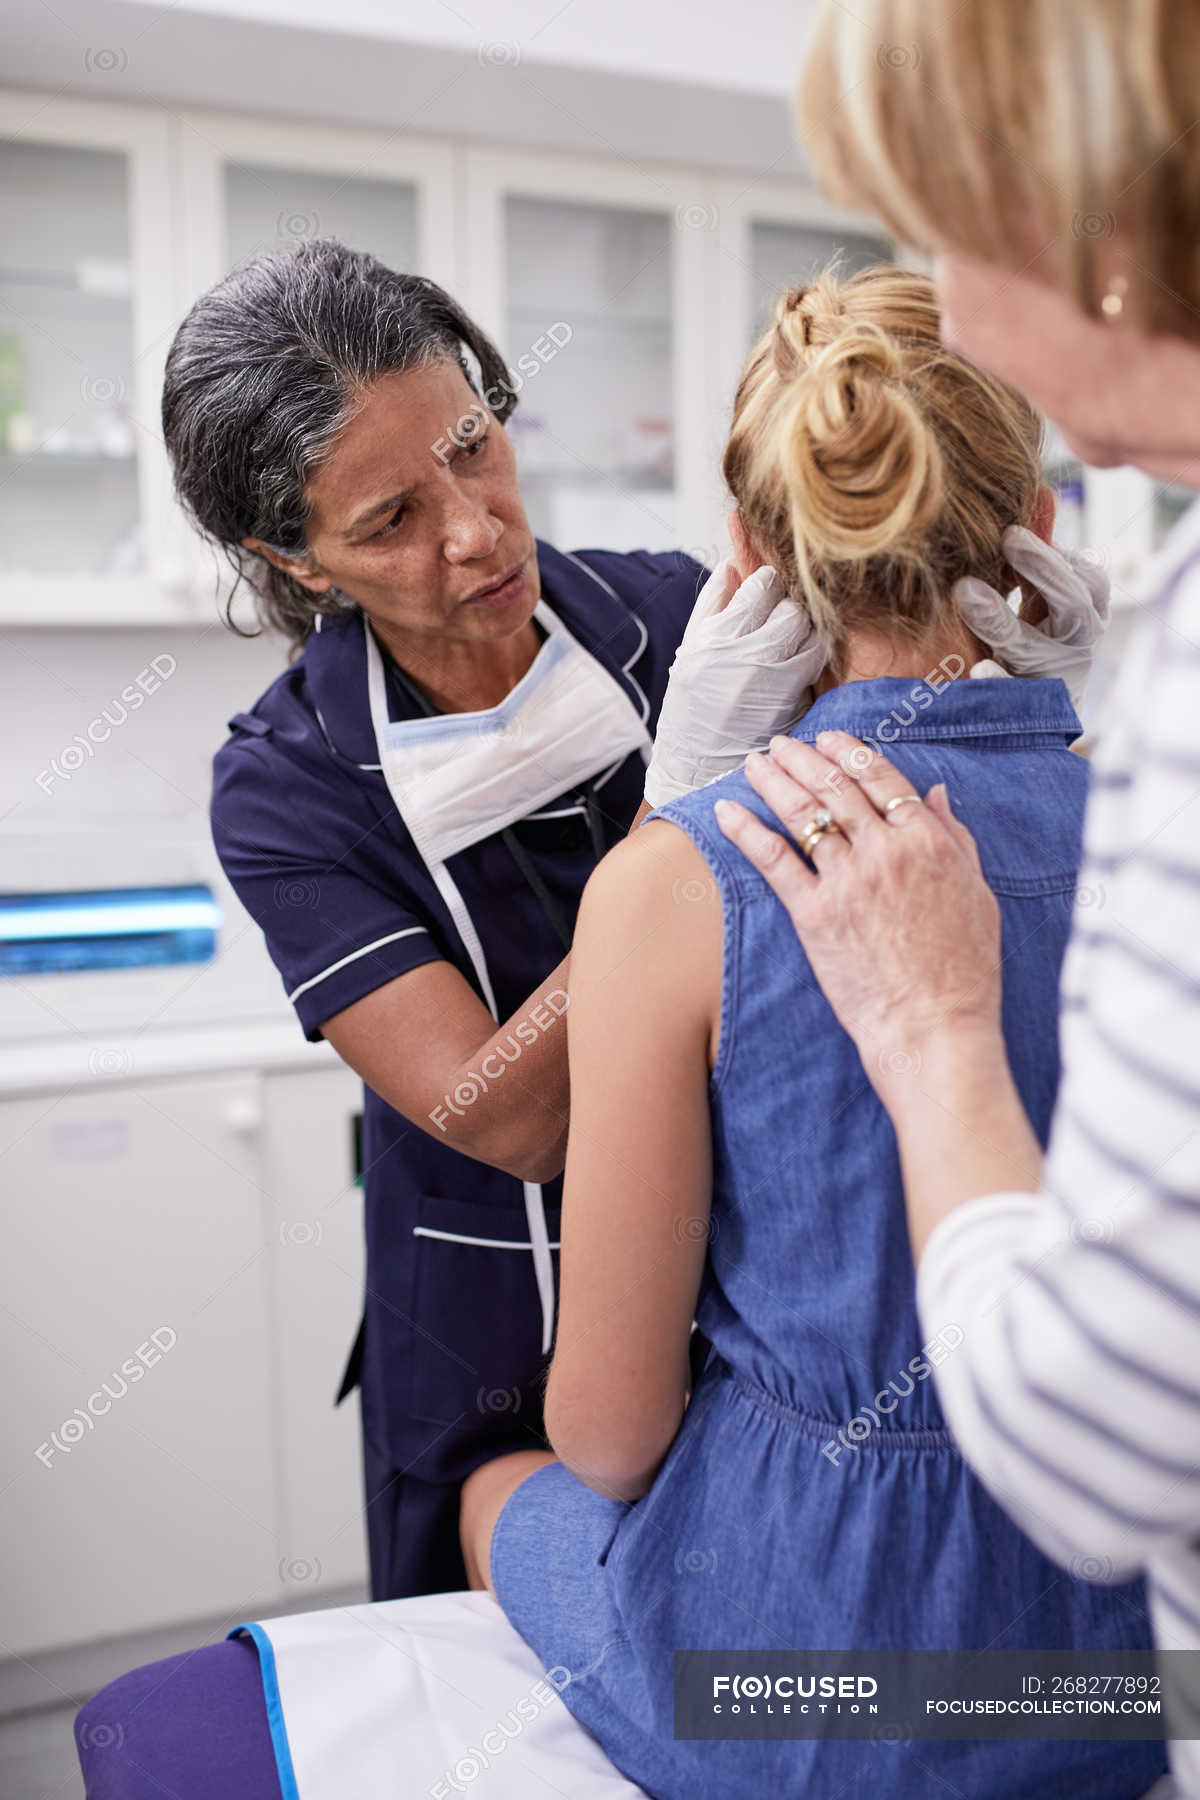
[(1075, 589), (743, 671)]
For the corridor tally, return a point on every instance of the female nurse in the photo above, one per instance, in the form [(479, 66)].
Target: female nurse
[(410, 812)]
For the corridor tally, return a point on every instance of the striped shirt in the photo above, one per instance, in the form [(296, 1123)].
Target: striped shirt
[(1075, 1393)]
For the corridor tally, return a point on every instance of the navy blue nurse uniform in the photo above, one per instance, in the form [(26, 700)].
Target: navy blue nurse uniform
[(451, 1357)]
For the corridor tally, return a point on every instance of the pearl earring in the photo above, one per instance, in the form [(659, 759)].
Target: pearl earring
[(1113, 303)]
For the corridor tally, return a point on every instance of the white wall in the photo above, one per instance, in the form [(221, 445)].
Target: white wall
[(752, 46), (709, 85), (134, 812)]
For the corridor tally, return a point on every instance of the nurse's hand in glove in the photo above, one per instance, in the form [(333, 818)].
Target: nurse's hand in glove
[(743, 672), (1075, 590)]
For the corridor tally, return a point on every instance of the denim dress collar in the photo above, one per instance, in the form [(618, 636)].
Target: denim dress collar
[(892, 709)]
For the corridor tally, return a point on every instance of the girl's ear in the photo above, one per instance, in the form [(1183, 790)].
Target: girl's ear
[(1042, 519), (746, 559), (1033, 609)]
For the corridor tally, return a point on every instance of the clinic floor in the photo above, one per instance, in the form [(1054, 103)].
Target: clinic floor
[(39, 1698)]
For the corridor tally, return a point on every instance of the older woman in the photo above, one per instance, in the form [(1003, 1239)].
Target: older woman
[(1075, 1393)]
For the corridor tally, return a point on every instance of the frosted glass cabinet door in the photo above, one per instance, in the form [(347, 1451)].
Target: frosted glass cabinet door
[(272, 208), (68, 441), (589, 336), (784, 256), (253, 185)]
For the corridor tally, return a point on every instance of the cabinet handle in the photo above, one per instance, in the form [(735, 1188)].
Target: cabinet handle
[(244, 1116)]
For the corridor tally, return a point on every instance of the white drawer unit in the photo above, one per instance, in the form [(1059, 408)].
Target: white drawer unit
[(182, 1279)]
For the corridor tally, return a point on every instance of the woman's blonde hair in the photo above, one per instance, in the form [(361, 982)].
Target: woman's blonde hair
[(1023, 132), (872, 466)]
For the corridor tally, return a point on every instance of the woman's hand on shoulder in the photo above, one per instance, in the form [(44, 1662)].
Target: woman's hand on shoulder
[(901, 929)]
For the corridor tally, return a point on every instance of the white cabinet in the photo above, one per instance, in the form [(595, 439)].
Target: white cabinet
[(134, 1217), (247, 186), (315, 1231), (621, 293), (768, 240), (86, 526), (182, 1280), (591, 277)]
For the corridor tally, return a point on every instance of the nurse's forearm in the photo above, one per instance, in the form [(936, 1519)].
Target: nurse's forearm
[(515, 1089), (427, 1044), (508, 1101)]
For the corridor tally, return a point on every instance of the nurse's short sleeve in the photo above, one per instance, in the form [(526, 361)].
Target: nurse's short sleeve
[(308, 862)]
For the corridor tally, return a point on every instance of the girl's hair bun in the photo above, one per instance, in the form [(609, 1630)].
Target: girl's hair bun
[(860, 459), (873, 467)]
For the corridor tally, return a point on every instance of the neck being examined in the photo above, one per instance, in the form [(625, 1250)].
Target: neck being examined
[(868, 655)]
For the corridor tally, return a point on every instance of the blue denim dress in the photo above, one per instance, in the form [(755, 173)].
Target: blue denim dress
[(813, 1497)]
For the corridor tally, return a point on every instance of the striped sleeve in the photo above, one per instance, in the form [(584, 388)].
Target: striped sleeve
[(1075, 1390)]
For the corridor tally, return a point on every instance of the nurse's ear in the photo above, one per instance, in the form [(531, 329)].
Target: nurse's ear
[(304, 569)]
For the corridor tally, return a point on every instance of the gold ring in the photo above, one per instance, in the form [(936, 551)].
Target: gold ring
[(902, 800), (819, 826)]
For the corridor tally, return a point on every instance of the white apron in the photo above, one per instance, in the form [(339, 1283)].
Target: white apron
[(457, 778)]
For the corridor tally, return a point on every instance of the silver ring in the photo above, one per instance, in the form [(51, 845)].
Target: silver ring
[(902, 800)]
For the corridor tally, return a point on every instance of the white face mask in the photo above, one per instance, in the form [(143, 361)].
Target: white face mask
[(461, 777)]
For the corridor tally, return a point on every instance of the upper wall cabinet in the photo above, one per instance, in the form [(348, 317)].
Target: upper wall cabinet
[(591, 279), (623, 296), (250, 188), (85, 312), (764, 242), (767, 244)]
